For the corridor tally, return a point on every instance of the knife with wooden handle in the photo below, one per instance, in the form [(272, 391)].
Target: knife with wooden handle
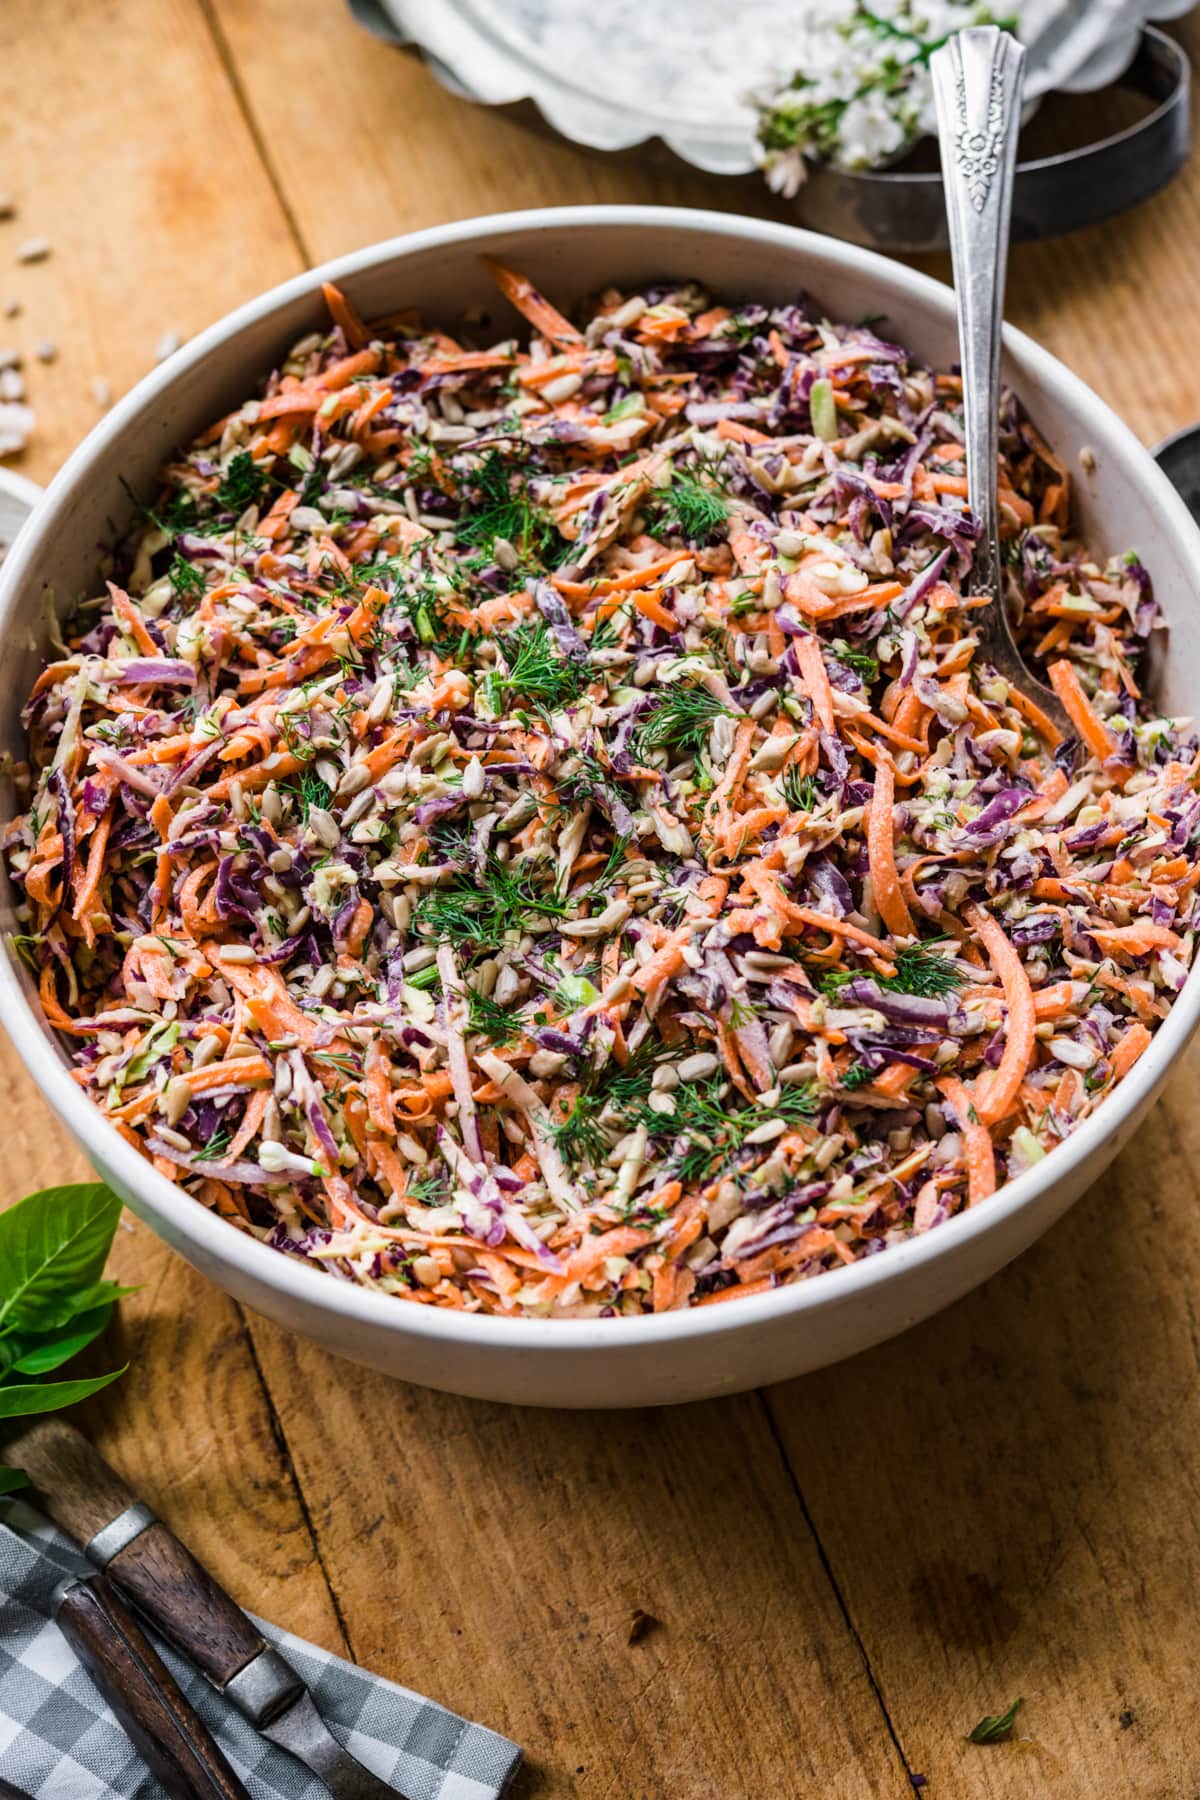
[(121, 1535), (168, 1735)]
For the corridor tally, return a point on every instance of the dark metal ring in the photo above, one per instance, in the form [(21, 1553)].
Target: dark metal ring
[(894, 210)]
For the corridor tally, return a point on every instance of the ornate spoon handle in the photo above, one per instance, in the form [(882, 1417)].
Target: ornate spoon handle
[(977, 95)]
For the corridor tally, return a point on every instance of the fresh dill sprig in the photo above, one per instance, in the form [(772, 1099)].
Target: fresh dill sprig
[(706, 1129), (186, 579), (693, 508), (801, 791), (606, 635), (426, 1188), (483, 906), (309, 791), (679, 721), (493, 1022), (588, 779), (216, 1146), (617, 857), (497, 509), (920, 969), (858, 1075), (242, 483), (537, 670), (577, 1137)]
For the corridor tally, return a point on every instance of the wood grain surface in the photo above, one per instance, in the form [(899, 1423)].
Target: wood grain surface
[(827, 1584)]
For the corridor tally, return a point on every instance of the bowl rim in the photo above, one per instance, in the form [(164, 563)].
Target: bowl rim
[(214, 1240)]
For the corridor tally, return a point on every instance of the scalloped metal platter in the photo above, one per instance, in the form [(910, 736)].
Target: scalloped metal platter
[(615, 76)]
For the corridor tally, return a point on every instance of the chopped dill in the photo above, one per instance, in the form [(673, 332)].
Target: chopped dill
[(858, 1075), (616, 859), (801, 791), (216, 1145), (920, 969), (537, 670), (426, 1188), (242, 483), (493, 1022), (497, 509), (706, 1131), (577, 1137), (186, 579), (688, 506), (679, 721), (309, 790), (483, 906)]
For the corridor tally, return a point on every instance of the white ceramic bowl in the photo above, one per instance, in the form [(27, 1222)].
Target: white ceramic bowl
[(685, 1355)]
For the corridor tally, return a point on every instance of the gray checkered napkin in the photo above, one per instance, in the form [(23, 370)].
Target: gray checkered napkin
[(59, 1741)]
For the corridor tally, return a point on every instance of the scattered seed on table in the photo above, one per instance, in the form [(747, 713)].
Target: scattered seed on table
[(12, 307), (12, 384), (101, 392), (16, 423), (167, 345), (45, 350), (34, 249), (7, 206), (9, 358)]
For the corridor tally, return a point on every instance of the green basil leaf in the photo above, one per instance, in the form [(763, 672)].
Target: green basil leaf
[(53, 1243), (39, 1356), (17, 1401), (60, 1311), (12, 1479)]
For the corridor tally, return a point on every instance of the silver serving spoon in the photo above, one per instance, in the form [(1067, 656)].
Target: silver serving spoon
[(977, 95)]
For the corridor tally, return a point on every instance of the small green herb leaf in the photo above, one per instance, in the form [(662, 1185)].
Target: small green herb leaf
[(993, 1728)]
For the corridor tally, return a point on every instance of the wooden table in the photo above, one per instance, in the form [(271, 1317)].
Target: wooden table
[(846, 1571)]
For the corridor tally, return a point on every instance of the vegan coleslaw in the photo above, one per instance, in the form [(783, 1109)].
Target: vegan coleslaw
[(529, 828)]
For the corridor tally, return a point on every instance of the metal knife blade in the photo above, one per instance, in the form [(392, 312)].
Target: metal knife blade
[(177, 1594), (303, 1732)]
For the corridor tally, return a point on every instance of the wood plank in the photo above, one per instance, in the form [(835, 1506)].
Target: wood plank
[(133, 159), (160, 216), (1009, 1497), (409, 154), (493, 1557)]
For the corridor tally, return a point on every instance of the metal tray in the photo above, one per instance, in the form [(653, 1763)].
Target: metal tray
[(478, 50)]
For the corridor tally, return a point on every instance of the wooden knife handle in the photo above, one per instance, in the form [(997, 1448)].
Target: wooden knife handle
[(78, 1489), (82, 1494), (163, 1728)]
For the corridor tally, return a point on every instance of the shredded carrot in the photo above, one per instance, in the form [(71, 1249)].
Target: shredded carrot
[(588, 872)]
